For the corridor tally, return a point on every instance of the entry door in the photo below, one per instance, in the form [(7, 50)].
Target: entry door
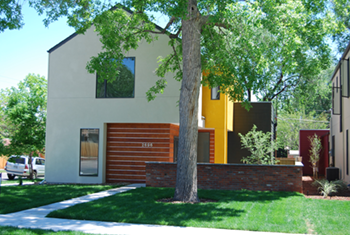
[(203, 147)]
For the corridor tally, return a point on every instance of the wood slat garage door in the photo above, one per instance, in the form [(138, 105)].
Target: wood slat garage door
[(129, 146)]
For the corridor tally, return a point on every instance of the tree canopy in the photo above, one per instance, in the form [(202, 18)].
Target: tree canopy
[(23, 112), (342, 12)]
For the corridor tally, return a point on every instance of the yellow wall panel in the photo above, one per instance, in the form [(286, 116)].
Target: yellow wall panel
[(218, 115)]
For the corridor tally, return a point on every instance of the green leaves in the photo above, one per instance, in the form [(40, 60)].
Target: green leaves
[(289, 125), (10, 15), (267, 47), (261, 146), (24, 115), (120, 31)]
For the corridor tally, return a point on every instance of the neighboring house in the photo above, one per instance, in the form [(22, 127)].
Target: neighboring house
[(340, 119)]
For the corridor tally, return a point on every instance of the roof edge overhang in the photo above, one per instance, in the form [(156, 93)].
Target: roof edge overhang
[(339, 63)]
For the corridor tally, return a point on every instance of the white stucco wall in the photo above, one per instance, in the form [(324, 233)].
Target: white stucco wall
[(340, 136), (72, 104), (346, 127)]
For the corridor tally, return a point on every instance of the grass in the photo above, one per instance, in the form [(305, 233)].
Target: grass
[(6, 230), (17, 198), (244, 210), (16, 181), (2, 171)]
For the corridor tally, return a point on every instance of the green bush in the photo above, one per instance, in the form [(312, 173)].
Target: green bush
[(261, 146), (327, 187)]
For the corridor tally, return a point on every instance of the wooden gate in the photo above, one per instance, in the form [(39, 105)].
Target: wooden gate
[(2, 162), (130, 145)]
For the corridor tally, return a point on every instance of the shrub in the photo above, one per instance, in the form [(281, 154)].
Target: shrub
[(327, 187), (261, 146)]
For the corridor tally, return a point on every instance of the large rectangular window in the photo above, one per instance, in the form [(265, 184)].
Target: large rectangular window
[(89, 139), (347, 152), (336, 97), (344, 77), (333, 151), (123, 86)]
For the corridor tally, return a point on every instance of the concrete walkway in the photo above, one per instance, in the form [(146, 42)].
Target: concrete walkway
[(35, 218)]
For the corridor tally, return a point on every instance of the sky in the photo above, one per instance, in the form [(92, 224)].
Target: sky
[(24, 51)]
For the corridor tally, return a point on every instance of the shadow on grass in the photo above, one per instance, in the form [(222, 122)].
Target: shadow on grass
[(27, 231), (17, 198), (141, 206), (246, 195)]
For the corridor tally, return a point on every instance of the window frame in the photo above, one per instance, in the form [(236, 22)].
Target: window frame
[(336, 96), (344, 78), (347, 152), (98, 150), (105, 84), (217, 94)]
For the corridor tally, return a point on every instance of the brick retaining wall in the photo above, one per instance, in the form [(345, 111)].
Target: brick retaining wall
[(230, 176)]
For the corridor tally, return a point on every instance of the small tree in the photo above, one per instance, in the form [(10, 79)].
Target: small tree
[(315, 149), (24, 115), (261, 145)]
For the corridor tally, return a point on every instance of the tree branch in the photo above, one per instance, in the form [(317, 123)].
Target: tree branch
[(284, 88), (177, 58)]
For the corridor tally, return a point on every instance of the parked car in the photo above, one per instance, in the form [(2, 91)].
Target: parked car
[(19, 165)]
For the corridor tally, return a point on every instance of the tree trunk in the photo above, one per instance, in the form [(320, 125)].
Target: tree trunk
[(186, 178)]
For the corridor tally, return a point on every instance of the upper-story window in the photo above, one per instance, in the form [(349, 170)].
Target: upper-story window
[(123, 86), (215, 94)]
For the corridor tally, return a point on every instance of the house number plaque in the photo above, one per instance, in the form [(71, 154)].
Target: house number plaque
[(147, 145)]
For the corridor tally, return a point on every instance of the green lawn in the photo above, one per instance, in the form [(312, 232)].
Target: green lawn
[(16, 181), (17, 198), (2, 171), (244, 210), (6, 230)]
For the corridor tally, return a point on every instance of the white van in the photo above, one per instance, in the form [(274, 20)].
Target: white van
[(18, 165)]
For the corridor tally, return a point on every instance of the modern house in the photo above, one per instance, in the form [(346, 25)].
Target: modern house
[(99, 131), (340, 119), (104, 132)]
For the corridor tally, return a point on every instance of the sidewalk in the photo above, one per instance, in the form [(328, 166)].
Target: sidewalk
[(35, 218)]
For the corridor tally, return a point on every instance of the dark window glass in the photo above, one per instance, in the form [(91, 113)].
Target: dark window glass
[(215, 94), (123, 86), (347, 152), (89, 152), (19, 160), (203, 147), (333, 150)]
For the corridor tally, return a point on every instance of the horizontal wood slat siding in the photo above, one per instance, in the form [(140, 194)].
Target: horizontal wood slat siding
[(128, 149), (130, 145)]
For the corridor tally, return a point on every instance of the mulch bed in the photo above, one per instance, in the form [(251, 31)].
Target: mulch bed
[(172, 201), (311, 191)]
